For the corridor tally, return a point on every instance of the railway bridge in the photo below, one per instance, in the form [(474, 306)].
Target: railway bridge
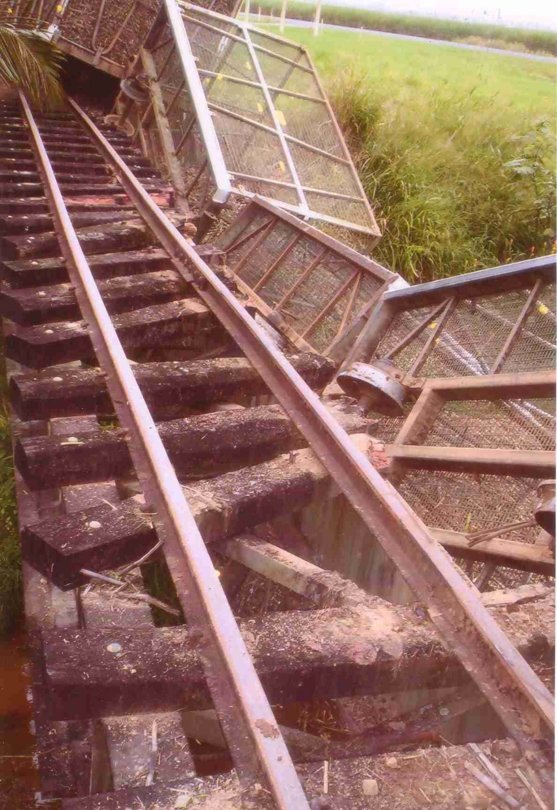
[(287, 522)]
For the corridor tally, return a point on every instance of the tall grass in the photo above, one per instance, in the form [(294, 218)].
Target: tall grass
[(454, 30), (455, 150), (456, 190)]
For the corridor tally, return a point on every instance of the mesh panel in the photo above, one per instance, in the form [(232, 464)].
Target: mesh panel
[(262, 92), (115, 31), (281, 263), (512, 424), (535, 347), (403, 323), (468, 503), (475, 333)]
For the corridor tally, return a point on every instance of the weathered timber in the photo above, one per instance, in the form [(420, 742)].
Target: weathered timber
[(172, 385), (207, 793), (197, 446), (103, 186), (329, 589), (204, 726), (41, 222), (129, 744), (74, 162), (105, 538), (323, 588), (24, 205), (29, 273), (38, 305), (530, 557), (64, 174), (17, 206), (299, 655), (181, 324), (132, 234)]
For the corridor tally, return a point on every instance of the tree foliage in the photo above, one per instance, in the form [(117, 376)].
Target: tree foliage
[(30, 62)]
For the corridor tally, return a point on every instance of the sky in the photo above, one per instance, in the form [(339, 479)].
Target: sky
[(533, 13)]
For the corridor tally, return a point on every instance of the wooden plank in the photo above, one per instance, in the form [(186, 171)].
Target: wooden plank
[(287, 569), (174, 167), (169, 387), (131, 234), (207, 792), (138, 743), (298, 655), (42, 222), (182, 324), (30, 273), (34, 306), (105, 538), (198, 446), (489, 461)]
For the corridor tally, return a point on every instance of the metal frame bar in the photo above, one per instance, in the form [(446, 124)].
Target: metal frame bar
[(276, 262), (521, 700), (448, 310), (517, 327), (195, 88), (244, 37), (437, 392), (480, 460), (253, 247), (278, 127), (355, 175), (471, 285), (347, 311), (300, 280), (417, 330), (345, 252), (323, 193), (266, 128), (330, 304), (233, 682), (241, 27), (248, 83)]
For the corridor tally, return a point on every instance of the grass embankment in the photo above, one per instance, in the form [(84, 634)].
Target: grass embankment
[(454, 148), (495, 36), (10, 563)]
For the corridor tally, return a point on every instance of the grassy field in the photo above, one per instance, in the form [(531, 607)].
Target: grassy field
[(455, 148), (432, 27)]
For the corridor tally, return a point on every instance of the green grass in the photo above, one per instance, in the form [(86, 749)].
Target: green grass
[(454, 148), (432, 27), (11, 599)]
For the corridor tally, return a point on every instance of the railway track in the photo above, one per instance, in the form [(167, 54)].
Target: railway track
[(158, 425)]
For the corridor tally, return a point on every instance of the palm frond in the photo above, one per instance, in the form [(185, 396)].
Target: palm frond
[(31, 63)]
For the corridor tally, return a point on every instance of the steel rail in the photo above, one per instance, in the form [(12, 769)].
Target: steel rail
[(518, 696), (252, 732)]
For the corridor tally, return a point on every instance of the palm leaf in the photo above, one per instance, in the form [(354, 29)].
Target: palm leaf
[(31, 63)]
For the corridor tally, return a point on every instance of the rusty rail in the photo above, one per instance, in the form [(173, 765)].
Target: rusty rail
[(247, 718), (515, 692)]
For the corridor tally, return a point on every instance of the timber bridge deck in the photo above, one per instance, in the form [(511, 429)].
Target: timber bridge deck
[(250, 580)]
